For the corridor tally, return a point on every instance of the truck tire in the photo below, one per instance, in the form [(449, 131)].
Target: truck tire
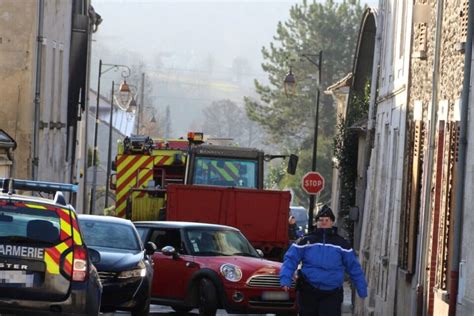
[(207, 298)]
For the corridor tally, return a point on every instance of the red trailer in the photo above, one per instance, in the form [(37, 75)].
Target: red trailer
[(261, 215)]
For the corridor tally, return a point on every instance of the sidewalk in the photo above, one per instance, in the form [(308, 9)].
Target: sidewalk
[(347, 303)]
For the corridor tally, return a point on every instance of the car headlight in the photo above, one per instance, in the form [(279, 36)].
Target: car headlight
[(231, 272), (139, 271)]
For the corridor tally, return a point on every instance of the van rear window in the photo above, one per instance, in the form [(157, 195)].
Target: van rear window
[(29, 224)]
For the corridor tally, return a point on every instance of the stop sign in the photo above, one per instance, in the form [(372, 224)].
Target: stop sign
[(312, 182)]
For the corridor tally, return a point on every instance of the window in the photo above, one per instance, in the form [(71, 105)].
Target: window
[(142, 232), (30, 223), (447, 212), (205, 242), (463, 15), (225, 172), (410, 213), (167, 237), (109, 235)]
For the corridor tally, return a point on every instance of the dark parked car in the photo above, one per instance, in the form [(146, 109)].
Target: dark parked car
[(212, 266), (44, 264), (125, 267)]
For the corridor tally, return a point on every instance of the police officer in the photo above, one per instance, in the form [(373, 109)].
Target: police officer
[(325, 256), (292, 229)]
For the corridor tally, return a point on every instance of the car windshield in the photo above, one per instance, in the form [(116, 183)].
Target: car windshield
[(25, 224), (205, 242), (109, 235)]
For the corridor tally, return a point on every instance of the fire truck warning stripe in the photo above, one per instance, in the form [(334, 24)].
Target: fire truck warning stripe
[(129, 162), (128, 180), (143, 178), (129, 166), (127, 177), (122, 159), (164, 160)]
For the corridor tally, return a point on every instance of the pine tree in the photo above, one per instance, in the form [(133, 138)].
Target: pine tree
[(289, 121)]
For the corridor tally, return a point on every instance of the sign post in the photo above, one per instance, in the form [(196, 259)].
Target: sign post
[(312, 183)]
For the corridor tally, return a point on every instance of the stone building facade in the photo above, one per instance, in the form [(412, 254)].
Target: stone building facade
[(411, 206)]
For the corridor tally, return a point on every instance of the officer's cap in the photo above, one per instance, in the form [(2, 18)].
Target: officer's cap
[(326, 211)]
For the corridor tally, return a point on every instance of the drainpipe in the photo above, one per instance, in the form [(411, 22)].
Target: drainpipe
[(422, 292), (12, 159), (461, 173), (37, 100)]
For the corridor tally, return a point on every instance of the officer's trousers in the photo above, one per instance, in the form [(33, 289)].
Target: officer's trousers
[(315, 302)]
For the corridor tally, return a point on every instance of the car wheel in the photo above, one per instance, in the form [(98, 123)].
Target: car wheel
[(143, 309), (207, 298), (181, 309)]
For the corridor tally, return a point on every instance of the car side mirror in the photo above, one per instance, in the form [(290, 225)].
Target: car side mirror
[(150, 248), (94, 255), (260, 253), (292, 164), (169, 251)]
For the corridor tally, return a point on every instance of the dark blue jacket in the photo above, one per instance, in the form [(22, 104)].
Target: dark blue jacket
[(324, 256)]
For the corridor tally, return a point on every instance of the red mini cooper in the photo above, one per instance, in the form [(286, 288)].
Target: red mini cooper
[(209, 267)]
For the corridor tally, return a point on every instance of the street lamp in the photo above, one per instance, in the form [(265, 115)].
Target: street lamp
[(125, 74), (290, 88)]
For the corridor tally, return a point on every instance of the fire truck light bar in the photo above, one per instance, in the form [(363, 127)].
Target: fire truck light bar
[(195, 137), (38, 186)]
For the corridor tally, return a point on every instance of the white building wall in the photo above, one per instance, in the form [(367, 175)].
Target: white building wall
[(465, 305), (380, 230), (54, 90)]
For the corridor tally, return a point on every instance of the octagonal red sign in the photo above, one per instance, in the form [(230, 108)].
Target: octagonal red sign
[(312, 182)]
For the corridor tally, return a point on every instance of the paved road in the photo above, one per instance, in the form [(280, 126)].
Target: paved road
[(164, 310)]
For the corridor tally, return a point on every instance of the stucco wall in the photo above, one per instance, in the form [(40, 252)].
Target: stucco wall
[(18, 53), (18, 22)]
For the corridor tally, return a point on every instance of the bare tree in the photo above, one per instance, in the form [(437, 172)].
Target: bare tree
[(225, 119)]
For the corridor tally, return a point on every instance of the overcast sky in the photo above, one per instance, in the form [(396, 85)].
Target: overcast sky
[(225, 29), (185, 35)]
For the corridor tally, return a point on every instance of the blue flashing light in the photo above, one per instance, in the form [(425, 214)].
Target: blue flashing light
[(39, 186)]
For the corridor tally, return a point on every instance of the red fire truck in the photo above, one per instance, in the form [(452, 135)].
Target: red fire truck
[(190, 180)]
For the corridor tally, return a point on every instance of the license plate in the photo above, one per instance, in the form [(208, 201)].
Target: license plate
[(15, 277), (275, 296)]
